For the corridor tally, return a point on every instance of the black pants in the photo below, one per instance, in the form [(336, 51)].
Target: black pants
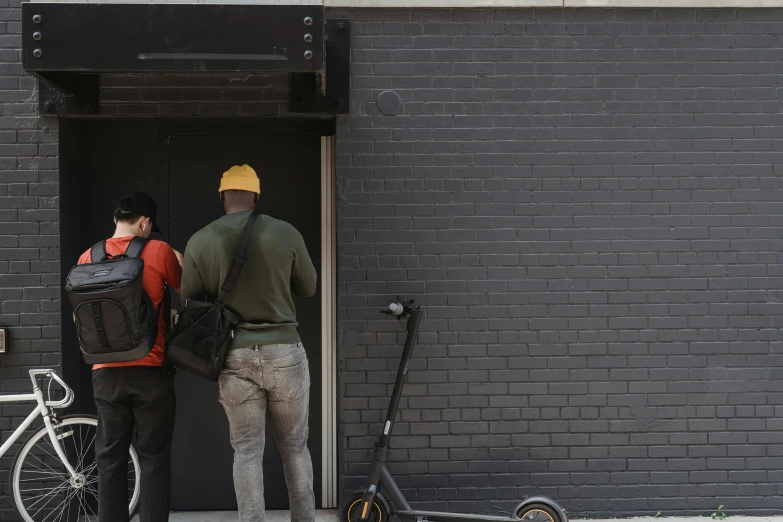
[(134, 400)]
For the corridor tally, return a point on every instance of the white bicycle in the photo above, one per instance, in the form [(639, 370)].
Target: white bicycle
[(54, 477)]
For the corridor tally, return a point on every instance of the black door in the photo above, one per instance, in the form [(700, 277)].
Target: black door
[(289, 169), (101, 161)]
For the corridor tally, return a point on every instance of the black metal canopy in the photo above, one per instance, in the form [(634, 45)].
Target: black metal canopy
[(67, 45)]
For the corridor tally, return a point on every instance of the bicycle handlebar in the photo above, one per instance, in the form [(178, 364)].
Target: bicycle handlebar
[(69, 396)]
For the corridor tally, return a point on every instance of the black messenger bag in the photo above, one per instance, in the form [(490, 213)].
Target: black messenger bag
[(199, 340)]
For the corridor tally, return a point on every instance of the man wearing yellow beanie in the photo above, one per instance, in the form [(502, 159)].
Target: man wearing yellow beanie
[(266, 367), (242, 178)]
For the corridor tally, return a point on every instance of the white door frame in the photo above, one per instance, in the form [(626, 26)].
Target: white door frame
[(328, 326)]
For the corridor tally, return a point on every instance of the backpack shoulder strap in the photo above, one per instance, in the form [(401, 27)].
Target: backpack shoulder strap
[(239, 257), (135, 247), (98, 252)]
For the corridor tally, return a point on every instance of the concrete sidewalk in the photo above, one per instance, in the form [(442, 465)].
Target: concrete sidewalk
[(681, 519), (332, 516), (323, 515)]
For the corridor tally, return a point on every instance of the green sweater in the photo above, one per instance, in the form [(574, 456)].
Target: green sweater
[(277, 266)]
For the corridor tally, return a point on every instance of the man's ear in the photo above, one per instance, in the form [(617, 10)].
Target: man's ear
[(255, 199)]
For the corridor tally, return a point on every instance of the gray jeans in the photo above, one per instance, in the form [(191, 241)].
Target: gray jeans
[(274, 378)]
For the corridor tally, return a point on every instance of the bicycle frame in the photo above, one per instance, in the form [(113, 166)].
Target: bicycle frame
[(42, 409)]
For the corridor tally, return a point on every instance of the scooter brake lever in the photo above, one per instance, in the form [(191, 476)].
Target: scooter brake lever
[(404, 302)]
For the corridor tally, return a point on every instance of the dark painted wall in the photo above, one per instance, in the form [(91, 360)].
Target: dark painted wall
[(589, 205)]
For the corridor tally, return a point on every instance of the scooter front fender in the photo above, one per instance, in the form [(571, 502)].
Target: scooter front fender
[(384, 503), (370, 495), (541, 500)]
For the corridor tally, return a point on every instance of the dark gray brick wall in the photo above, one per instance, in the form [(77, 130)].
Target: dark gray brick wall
[(183, 95), (29, 240), (587, 201), (589, 204)]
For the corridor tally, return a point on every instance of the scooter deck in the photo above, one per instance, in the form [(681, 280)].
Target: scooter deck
[(436, 516)]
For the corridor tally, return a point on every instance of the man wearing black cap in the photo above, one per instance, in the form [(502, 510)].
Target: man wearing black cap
[(137, 396)]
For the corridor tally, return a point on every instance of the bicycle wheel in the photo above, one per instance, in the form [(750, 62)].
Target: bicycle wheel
[(42, 488)]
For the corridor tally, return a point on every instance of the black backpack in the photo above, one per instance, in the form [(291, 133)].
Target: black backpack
[(115, 318)]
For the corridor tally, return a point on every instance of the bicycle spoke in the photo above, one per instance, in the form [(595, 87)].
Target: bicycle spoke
[(63, 484), (62, 505), (59, 475), (65, 506), (92, 490), (47, 482), (55, 456), (85, 506), (62, 511), (37, 489), (78, 439), (78, 452), (80, 449), (79, 497), (92, 468), (91, 442), (81, 504), (61, 439), (36, 457), (44, 464), (42, 484), (84, 494), (83, 452), (89, 486), (53, 493), (40, 497)]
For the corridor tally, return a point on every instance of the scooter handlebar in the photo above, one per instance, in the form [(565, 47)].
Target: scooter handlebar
[(400, 308)]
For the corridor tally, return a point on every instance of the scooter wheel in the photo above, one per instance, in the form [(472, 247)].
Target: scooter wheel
[(538, 513), (352, 511)]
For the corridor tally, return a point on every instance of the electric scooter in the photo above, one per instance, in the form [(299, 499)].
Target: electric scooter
[(371, 506)]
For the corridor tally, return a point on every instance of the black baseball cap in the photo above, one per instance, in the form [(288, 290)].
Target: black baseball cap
[(142, 204)]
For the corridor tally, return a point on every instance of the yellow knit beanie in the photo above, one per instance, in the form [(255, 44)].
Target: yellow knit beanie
[(240, 178)]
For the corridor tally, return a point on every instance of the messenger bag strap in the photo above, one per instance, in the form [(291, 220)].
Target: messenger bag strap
[(98, 252), (239, 258)]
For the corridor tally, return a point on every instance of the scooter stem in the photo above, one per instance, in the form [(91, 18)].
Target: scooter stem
[(382, 446), (413, 327)]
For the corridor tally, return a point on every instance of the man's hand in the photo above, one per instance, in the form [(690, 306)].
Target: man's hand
[(179, 257)]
